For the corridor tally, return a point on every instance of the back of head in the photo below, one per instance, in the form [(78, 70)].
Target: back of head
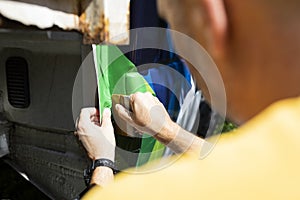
[(254, 43)]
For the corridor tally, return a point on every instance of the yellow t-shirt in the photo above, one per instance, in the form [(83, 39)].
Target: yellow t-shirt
[(260, 160)]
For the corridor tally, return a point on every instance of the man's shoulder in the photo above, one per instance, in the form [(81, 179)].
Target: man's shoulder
[(280, 120), (258, 160)]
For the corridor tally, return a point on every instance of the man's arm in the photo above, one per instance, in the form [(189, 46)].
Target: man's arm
[(102, 176), (99, 142), (178, 139), (148, 115)]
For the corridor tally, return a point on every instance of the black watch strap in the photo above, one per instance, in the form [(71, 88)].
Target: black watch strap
[(103, 162), (98, 163)]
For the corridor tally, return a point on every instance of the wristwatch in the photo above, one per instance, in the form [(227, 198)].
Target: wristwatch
[(87, 173)]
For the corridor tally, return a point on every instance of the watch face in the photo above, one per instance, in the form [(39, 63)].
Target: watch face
[(87, 175)]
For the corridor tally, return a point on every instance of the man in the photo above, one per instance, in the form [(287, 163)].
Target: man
[(255, 45)]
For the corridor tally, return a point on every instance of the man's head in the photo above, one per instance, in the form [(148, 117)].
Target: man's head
[(255, 44)]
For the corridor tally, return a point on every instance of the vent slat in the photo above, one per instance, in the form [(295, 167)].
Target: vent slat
[(17, 99), (15, 83), (16, 89), (18, 96)]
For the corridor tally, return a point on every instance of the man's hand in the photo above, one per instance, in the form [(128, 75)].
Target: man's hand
[(98, 140), (148, 113)]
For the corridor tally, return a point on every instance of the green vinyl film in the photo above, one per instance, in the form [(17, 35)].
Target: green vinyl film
[(116, 74)]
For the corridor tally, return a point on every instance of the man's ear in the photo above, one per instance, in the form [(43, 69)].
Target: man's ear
[(216, 25)]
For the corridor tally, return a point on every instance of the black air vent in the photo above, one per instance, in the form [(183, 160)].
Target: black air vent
[(17, 82)]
